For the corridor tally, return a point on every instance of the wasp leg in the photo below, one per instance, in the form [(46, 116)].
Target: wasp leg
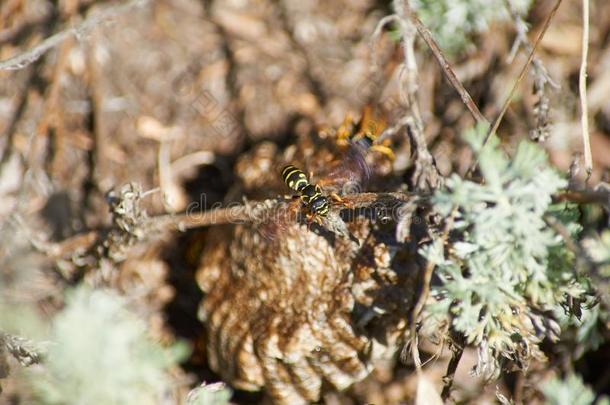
[(336, 197), (384, 150), (345, 129), (340, 201), (311, 218)]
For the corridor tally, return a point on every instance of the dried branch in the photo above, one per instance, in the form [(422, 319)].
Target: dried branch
[(425, 292), (130, 224), (446, 67), (540, 71), (582, 89), (598, 196), (27, 58), (22, 100), (426, 176), (21, 103), (541, 131), (253, 211), (197, 217), (456, 356), (496, 123), (51, 122), (99, 172), (393, 129)]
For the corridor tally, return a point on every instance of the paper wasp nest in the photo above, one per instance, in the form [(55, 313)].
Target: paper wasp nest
[(293, 308)]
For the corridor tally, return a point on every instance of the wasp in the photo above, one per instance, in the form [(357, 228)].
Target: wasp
[(311, 194), (366, 132)]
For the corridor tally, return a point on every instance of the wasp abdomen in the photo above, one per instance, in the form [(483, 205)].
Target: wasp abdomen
[(294, 178), (311, 194)]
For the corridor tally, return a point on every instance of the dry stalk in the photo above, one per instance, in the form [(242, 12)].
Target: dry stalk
[(496, 123), (426, 176), (582, 88), (24, 59)]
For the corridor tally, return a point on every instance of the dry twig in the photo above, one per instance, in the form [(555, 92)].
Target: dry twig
[(426, 176), (447, 70), (496, 123), (582, 89), (456, 355), (27, 58), (541, 131)]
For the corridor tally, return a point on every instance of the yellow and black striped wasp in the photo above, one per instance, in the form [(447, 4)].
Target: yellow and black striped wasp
[(311, 194), (348, 172), (340, 168), (366, 132)]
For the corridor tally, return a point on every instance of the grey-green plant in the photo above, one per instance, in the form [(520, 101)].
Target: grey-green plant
[(598, 248), (505, 271), (101, 353), (209, 394), (570, 391), (452, 22)]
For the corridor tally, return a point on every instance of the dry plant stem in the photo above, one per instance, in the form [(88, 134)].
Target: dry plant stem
[(165, 173), (425, 292), (522, 39), (242, 213), (377, 32), (98, 171), (496, 123), (51, 117), (426, 175), (582, 88), (393, 130), (446, 67), (518, 391), (51, 122), (21, 104), (585, 197), (541, 111), (456, 356), (11, 125), (27, 58)]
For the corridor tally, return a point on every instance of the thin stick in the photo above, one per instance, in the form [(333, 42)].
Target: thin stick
[(599, 196), (425, 292), (25, 59), (458, 350), (496, 124), (197, 218), (582, 87), (100, 170), (447, 70), (426, 175)]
